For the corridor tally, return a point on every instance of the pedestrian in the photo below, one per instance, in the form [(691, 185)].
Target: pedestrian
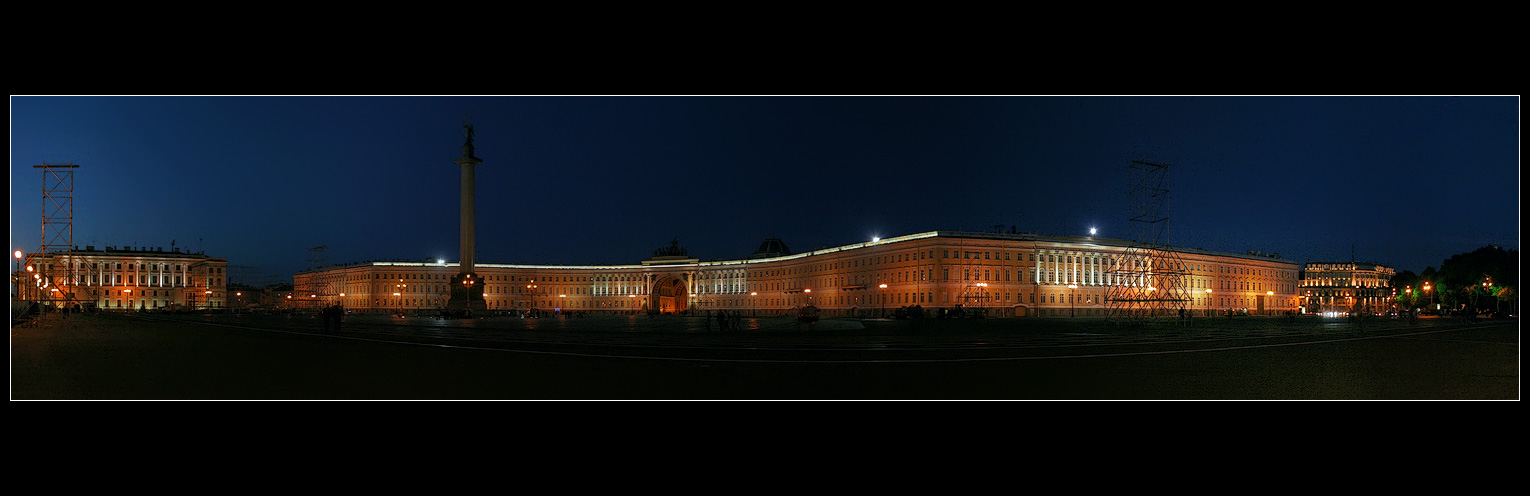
[(708, 320), (722, 320)]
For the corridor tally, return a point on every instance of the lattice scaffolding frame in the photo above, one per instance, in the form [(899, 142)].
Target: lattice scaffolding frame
[(56, 279), (323, 286), (1149, 279)]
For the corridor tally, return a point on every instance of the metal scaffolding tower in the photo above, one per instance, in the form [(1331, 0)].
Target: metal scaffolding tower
[(1149, 279), (322, 290), (53, 283)]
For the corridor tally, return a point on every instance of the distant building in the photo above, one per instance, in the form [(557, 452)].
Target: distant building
[(126, 279), (1004, 274), (1343, 288)]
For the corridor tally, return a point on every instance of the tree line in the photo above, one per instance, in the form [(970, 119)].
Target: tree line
[(1484, 280)]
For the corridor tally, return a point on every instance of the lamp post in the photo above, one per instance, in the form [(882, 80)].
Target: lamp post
[(400, 294), (562, 303), (752, 294), (1208, 300), (31, 285), (16, 275), (1072, 291), (983, 294), (1487, 288), (1497, 302), (1427, 288), (1272, 300), (882, 300)]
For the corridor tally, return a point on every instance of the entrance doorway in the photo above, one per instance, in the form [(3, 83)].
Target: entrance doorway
[(669, 295)]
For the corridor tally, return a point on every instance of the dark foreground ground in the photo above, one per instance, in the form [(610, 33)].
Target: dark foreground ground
[(234, 357)]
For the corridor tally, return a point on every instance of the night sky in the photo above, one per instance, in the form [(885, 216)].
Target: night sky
[(1403, 181)]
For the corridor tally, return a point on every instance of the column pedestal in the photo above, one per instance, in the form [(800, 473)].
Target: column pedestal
[(466, 299)]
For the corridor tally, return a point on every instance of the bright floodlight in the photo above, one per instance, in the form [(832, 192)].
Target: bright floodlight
[(440, 260), (875, 239), (1091, 231)]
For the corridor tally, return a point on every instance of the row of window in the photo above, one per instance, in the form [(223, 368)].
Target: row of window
[(132, 266)]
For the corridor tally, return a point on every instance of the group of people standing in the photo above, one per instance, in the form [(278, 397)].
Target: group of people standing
[(726, 320), (332, 315)]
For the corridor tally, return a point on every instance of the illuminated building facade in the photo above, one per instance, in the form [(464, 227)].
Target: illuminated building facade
[(1341, 288), (126, 279), (1002, 274)]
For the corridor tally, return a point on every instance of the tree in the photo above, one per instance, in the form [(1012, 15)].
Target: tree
[(1404, 281), (1476, 278)]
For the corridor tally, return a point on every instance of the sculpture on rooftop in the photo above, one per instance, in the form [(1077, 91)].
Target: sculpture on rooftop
[(467, 148), (674, 250)]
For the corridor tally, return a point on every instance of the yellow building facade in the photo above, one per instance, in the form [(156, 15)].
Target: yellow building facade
[(1005, 275), (117, 278)]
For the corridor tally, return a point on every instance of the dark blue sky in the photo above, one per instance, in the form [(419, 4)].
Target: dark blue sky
[(1405, 181)]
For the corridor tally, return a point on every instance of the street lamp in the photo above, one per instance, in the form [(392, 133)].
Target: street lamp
[(882, 300), (1272, 301), (982, 294), (1487, 287), (17, 277), (399, 288), (1208, 301), (752, 294), (1072, 290), (1427, 288), (31, 292), (562, 302)]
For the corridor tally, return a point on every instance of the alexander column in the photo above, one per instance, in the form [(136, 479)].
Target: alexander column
[(467, 290)]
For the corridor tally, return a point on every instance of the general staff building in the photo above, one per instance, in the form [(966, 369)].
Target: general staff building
[(1006, 275)]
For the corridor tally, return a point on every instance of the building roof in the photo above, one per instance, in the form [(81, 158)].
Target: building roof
[(771, 247)]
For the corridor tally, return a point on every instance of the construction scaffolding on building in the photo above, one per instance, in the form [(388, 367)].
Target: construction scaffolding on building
[(53, 281), (321, 291), (1149, 279)]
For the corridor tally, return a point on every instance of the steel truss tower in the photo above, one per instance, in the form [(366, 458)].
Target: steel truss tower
[(1149, 279), (323, 289), (54, 283)]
